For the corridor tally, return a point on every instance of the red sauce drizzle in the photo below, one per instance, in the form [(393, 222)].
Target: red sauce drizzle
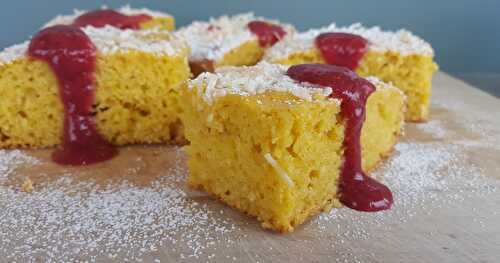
[(72, 57), (357, 190), (342, 49), (102, 18), (267, 33)]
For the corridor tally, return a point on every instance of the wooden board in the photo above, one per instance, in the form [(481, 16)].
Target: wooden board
[(445, 175)]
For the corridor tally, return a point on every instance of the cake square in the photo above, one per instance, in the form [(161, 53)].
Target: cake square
[(272, 147), (398, 57), (238, 40), (137, 77)]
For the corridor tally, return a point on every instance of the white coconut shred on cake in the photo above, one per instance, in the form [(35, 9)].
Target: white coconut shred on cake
[(127, 10), (110, 40), (402, 41), (258, 79), (214, 38)]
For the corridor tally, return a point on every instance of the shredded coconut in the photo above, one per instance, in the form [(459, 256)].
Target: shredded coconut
[(279, 170), (213, 39), (381, 85), (110, 40), (401, 41), (127, 10), (253, 80), (258, 79), (14, 52)]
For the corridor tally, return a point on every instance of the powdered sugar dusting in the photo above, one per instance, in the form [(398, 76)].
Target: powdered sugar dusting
[(427, 178), (64, 220), (424, 178), (445, 194), (433, 127), (110, 40), (401, 41), (214, 38), (10, 159)]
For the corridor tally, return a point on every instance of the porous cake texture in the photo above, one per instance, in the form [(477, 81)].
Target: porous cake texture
[(272, 147), (400, 58), (138, 76), (160, 20), (225, 41)]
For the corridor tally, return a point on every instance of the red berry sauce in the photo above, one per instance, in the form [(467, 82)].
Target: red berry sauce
[(342, 49), (267, 33), (357, 190), (72, 57), (102, 18)]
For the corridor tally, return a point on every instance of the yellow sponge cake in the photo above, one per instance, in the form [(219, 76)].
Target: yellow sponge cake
[(231, 40), (273, 147), (399, 57), (137, 77)]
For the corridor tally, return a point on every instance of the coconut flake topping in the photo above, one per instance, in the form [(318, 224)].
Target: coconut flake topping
[(402, 41), (214, 38), (258, 79), (126, 10), (110, 40), (247, 81)]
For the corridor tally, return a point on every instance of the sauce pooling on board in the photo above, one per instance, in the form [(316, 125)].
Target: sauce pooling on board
[(102, 18), (72, 57), (357, 190), (342, 49), (267, 33)]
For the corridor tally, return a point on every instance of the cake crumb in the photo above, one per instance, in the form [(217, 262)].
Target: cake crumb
[(27, 186)]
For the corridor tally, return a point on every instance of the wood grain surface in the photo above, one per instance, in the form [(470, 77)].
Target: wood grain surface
[(455, 218)]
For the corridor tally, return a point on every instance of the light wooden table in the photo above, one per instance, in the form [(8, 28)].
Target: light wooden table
[(451, 214)]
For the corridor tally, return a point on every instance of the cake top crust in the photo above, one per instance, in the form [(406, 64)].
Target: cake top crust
[(401, 41), (214, 38), (111, 40), (253, 80), (126, 10), (258, 79)]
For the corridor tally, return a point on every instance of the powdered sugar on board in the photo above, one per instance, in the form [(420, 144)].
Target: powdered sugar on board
[(9, 160), (433, 172), (438, 174), (69, 218)]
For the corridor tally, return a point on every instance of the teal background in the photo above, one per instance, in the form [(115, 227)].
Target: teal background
[(464, 33)]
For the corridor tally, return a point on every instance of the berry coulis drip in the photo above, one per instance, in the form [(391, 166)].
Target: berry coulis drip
[(357, 190), (72, 57), (342, 49), (102, 18), (267, 33)]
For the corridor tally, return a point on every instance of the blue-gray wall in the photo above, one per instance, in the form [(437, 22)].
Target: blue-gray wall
[(464, 33)]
